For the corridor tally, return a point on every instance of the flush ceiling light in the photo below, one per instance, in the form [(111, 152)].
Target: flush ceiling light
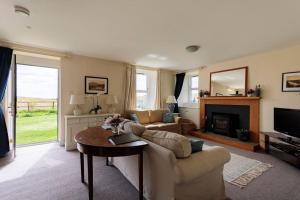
[(192, 48), (162, 58), (152, 55), (22, 11)]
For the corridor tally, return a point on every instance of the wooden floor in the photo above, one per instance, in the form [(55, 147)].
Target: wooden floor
[(249, 146)]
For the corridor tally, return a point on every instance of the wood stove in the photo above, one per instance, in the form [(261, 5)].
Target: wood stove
[(225, 124)]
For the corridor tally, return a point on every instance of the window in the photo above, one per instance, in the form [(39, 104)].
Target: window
[(193, 88), (145, 89), (141, 91)]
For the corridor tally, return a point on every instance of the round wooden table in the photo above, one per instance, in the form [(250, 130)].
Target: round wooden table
[(94, 142)]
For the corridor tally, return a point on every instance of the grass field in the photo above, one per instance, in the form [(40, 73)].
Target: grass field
[(36, 126)]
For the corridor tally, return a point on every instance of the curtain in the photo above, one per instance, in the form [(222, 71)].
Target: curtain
[(158, 103), (130, 89), (5, 61), (178, 87)]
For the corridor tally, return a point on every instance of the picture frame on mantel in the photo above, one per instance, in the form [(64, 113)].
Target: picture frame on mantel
[(96, 85), (291, 82)]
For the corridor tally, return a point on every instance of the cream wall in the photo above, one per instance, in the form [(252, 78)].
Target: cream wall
[(73, 71), (265, 69)]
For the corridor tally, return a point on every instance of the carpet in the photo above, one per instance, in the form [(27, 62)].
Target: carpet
[(240, 171)]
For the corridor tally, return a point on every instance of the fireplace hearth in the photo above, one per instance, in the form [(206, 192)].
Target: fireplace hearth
[(225, 124)]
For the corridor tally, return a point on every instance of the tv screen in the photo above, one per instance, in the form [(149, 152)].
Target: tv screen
[(287, 121)]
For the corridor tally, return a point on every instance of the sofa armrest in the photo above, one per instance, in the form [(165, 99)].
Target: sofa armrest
[(201, 163)]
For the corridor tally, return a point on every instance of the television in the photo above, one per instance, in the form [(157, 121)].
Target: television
[(287, 121)]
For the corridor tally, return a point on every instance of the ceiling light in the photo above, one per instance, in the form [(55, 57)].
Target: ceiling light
[(152, 55), (22, 11), (192, 48), (162, 58)]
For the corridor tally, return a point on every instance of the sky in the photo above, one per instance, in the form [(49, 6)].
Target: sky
[(37, 82)]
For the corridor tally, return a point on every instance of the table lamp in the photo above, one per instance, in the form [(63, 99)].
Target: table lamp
[(171, 101), (111, 100), (77, 100)]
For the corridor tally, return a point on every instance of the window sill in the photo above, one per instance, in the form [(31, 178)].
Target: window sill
[(189, 105)]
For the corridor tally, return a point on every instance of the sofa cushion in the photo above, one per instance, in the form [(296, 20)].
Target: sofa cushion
[(168, 117), (134, 117), (196, 145), (179, 144), (156, 115), (128, 126), (143, 116), (134, 128)]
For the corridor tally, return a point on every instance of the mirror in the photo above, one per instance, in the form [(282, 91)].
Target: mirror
[(232, 82)]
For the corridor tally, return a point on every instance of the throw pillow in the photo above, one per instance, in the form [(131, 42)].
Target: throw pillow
[(131, 127), (178, 144), (196, 145), (134, 117), (168, 118)]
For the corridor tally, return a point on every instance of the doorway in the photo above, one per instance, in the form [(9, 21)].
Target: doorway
[(36, 104)]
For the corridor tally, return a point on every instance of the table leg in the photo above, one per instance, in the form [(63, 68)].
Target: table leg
[(107, 161), (267, 143), (82, 166), (141, 176), (90, 176)]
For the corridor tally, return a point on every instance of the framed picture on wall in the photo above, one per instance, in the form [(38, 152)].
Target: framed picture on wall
[(96, 85), (291, 82)]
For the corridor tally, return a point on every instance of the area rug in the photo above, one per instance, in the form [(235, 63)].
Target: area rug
[(240, 171)]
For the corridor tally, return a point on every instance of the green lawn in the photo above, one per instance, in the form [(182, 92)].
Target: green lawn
[(36, 126)]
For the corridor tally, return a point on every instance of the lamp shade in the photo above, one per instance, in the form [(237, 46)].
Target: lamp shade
[(171, 99), (111, 100), (76, 99)]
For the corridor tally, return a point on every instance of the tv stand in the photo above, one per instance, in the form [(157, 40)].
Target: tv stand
[(283, 147)]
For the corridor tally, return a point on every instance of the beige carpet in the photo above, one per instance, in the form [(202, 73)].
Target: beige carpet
[(240, 171)]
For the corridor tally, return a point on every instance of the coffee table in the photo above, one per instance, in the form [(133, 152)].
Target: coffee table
[(94, 142)]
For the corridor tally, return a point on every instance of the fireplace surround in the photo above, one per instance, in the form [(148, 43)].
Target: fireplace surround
[(248, 107)]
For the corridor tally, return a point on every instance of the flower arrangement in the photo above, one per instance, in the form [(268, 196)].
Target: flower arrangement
[(250, 92), (114, 122), (206, 93)]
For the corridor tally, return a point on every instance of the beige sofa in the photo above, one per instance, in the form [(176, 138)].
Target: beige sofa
[(199, 176), (153, 120)]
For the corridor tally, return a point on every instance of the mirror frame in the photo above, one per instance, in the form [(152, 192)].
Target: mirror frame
[(232, 69)]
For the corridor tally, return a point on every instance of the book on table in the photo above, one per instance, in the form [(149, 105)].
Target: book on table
[(123, 138)]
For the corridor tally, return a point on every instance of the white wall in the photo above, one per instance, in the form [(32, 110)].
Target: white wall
[(265, 69)]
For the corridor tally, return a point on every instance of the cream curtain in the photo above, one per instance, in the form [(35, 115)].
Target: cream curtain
[(158, 102), (130, 90)]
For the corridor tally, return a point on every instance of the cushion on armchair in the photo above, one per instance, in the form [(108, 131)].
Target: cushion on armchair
[(179, 144)]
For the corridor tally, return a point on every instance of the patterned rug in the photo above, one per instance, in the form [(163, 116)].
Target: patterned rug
[(240, 171)]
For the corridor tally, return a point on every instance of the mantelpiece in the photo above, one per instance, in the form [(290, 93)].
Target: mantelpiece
[(252, 102)]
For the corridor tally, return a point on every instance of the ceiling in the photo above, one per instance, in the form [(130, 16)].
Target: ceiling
[(154, 33)]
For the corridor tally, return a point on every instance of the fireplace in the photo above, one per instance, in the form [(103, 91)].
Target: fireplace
[(247, 108), (225, 124)]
